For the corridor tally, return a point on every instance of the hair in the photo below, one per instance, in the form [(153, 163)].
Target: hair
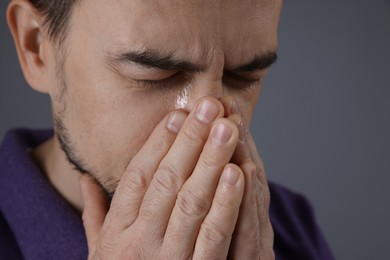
[(56, 14)]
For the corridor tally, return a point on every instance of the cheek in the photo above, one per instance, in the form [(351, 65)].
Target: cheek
[(123, 131), (108, 120), (130, 129), (109, 139), (246, 100)]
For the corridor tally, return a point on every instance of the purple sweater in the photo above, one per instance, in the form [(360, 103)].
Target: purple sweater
[(37, 223)]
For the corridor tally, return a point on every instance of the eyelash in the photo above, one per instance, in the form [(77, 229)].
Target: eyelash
[(174, 81), (246, 83), (167, 83)]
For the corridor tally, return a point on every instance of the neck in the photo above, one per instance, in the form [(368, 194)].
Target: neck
[(52, 161)]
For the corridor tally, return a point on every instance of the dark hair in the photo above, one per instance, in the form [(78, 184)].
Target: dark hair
[(56, 13)]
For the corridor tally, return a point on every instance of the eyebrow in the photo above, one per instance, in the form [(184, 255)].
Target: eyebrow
[(152, 60), (258, 63)]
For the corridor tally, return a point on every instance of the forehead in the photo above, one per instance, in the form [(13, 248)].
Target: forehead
[(194, 28)]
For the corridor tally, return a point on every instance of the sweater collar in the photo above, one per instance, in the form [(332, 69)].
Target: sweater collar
[(43, 223)]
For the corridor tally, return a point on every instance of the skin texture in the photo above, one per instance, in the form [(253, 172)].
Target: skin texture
[(164, 167)]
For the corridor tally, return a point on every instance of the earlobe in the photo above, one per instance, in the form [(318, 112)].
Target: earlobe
[(29, 38)]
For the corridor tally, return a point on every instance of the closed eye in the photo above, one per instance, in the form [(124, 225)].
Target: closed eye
[(235, 81), (231, 80), (176, 80)]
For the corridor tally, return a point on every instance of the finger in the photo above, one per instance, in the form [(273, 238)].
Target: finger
[(177, 165), (195, 198), (263, 189), (267, 233), (242, 153), (255, 206), (136, 179), (255, 153), (229, 105), (95, 208), (233, 113), (246, 239), (246, 150), (263, 199), (216, 231)]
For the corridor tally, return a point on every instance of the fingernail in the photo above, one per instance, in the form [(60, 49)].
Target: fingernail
[(235, 108), (206, 111), (242, 131), (230, 176), (175, 122), (221, 133)]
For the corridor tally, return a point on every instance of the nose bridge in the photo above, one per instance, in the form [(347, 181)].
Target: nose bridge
[(209, 81), (202, 87)]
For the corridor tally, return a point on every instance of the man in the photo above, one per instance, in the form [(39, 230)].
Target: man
[(151, 103)]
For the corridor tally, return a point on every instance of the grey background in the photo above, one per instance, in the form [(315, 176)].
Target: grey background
[(322, 124)]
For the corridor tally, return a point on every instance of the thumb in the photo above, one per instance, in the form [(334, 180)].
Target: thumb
[(95, 209)]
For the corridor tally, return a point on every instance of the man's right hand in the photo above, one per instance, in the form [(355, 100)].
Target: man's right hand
[(179, 197)]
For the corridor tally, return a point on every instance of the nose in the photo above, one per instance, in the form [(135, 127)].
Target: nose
[(201, 87)]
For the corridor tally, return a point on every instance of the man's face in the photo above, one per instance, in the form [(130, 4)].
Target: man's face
[(128, 63)]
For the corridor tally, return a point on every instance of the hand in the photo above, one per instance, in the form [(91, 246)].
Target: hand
[(179, 197), (253, 237)]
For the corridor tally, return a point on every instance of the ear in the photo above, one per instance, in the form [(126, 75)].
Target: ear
[(34, 50)]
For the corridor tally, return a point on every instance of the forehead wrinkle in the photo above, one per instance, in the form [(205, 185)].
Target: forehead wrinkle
[(233, 27), (226, 11)]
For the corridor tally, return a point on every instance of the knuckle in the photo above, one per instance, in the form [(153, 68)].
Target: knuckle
[(253, 247), (208, 166), (253, 236), (138, 179), (105, 247), (210, 160), (132, 251), (109, 228), (249, 234), (191, 205), (167, 179), (260, 173), (173, 254), (252, 167), (109, 232), (214, 234), (164, 142), (263, 195), (146, 212), (250, 170), (226, 204), (193, 134), (115, 213)]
